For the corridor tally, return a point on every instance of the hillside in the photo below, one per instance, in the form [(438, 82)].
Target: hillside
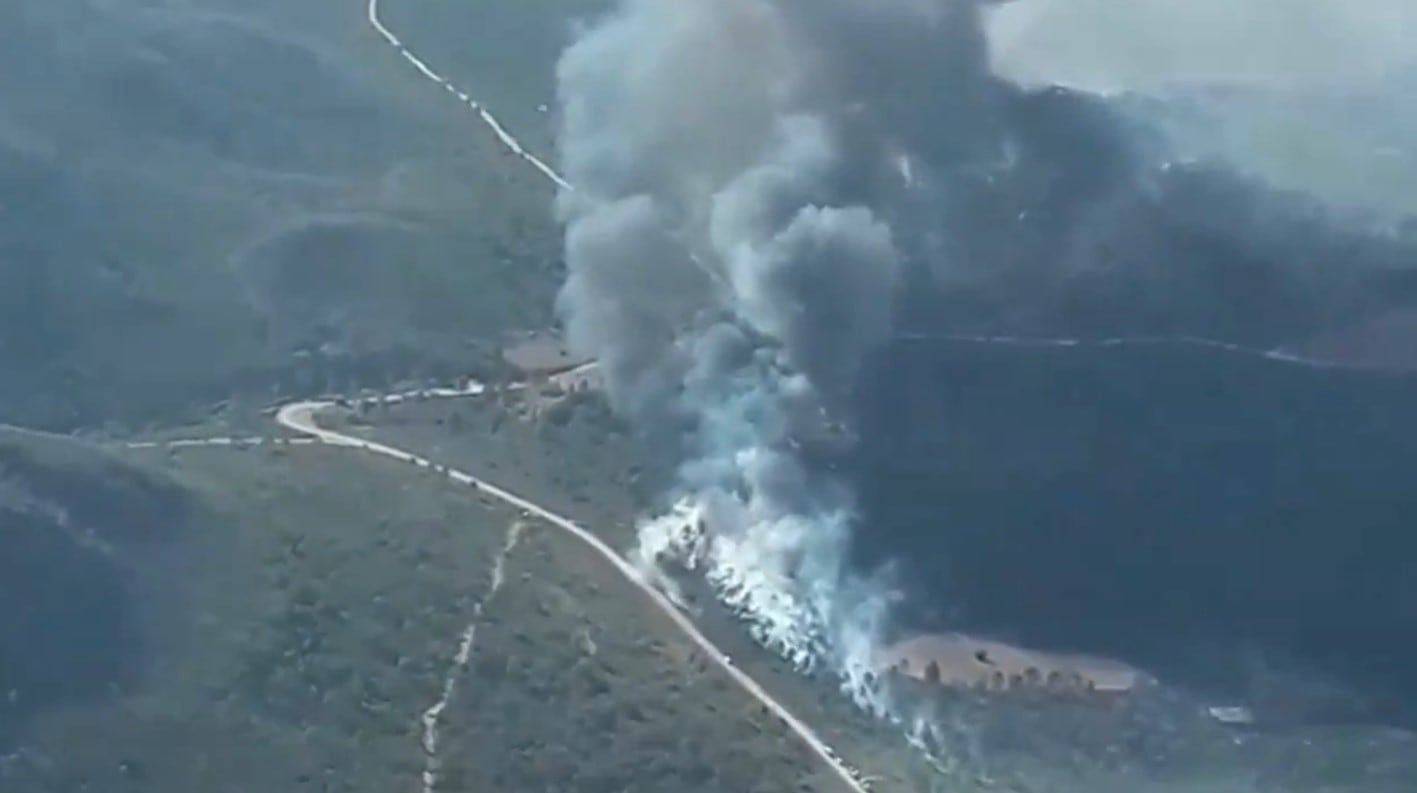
[(219, 197), (74, 524), (1191, 509), (505, 54), (209, 207), (1134, 732), (295, 635)]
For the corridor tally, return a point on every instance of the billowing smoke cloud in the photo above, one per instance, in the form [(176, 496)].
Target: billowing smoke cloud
[(764, 189), (731, 264)]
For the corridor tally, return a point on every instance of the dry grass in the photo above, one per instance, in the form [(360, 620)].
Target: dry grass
[(955, 659), (1126, 736), (324, 602)]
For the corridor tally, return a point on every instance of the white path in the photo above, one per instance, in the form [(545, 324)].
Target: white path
[(222, 441), (432, 716), (301, 417), (1278, 355), (513, 145), (506, 138)]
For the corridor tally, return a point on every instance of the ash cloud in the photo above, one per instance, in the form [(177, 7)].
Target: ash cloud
[(767, 190), (732, 266)]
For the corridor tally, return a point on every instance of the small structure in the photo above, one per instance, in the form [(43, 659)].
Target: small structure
[(540, 355), (585, 377), (550, 371)]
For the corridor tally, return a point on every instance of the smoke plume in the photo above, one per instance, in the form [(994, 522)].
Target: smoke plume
[(733, 258), (764, 190)]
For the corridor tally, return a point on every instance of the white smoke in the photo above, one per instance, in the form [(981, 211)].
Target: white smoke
[(1150, 45), (1314, 95), (756, 183), (731, 287)]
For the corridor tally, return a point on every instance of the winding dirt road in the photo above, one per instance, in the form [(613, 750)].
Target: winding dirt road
[(301, 417), (506, 138)]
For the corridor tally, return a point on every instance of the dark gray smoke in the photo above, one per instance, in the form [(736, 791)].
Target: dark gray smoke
[(766, 189), (733, 258), (1313, 95)]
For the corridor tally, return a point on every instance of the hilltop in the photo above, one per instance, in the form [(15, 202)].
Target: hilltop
[(218, 198), (302, 616)]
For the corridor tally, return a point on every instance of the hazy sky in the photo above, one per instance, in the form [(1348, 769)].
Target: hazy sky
[(1141, 44)]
